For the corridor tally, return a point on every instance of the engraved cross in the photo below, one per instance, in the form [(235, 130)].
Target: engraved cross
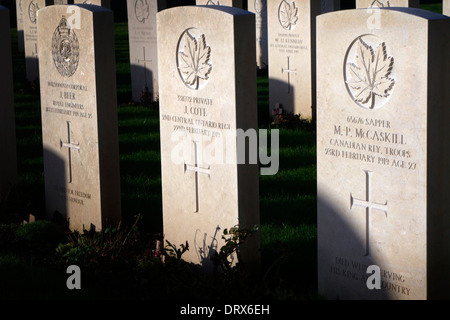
[(288, 71), (144, 60), (369, 205), (197, 169), (35, 53), (69, 145)]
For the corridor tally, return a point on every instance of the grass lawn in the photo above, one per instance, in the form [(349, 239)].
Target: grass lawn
[(29, 269)]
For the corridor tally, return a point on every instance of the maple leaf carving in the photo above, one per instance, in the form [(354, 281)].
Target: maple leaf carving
[(142, 10), (194, 60), (287, 14), (380, 3), (368, 77)]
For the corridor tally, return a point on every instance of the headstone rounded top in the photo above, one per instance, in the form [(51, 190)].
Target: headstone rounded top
[(430, 15), (92, 7), (88, 7), (226, 9), (421, 13)]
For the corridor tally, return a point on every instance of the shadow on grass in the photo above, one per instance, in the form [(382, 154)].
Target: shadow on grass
[(288, 200)]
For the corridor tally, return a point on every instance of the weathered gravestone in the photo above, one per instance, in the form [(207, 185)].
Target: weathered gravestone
[(8, 159), (259, 8), (382, 155), (446, 7), (291, 55), (19, 16), (229, 3), (30, 17), (143, 48), (387, 3), (79, 116), (207, 92), (103, 3)]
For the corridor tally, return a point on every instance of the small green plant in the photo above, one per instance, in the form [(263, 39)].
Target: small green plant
[(172, 251), (10, 261), (100, 250), (234, 237), (41, 232)]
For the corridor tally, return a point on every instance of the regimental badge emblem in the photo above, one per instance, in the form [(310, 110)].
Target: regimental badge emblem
[(288, 15), (20, 6), (369, 72), (194, 59), (142, 10), (65, 49), (32, 11)]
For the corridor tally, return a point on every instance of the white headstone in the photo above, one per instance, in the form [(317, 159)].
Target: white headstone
[(382, 157), (291, 55), (387, 3), (229, 3), (30, 18), (259, 8), (19, 15), (446, 7), (143, 48), (8, 158), (79, 116), (103, 3), (207, 92)]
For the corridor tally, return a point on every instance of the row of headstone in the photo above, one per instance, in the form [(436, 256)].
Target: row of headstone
[(209, 87), (291, 47), (143, 45), (8, 158), (381, 131), (28, 9), (289, 89)]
